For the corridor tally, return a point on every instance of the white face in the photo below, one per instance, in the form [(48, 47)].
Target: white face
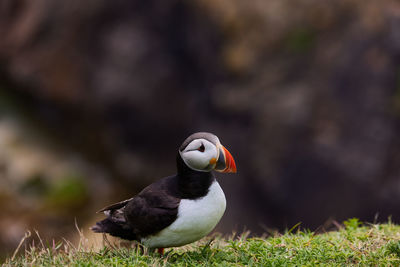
[(200, 155)]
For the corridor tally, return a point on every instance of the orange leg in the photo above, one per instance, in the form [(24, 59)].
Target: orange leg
[(161, 251)]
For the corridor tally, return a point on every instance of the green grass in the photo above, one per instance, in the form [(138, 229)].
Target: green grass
[(370, 245)]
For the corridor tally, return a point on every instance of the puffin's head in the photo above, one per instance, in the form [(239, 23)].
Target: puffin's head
[(204, 152)]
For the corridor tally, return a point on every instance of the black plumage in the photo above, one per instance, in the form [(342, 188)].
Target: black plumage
[(156, 206)]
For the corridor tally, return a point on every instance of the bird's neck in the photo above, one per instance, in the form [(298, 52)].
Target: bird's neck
[(192, 184)]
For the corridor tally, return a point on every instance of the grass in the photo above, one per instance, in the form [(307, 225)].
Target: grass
[(353, 244)]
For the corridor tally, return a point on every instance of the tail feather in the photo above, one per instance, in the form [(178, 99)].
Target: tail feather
[(115, 229)]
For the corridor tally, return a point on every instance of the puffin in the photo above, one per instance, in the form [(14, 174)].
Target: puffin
[(178, 209)]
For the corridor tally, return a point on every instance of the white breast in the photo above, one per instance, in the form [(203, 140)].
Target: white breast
[(196, 219)]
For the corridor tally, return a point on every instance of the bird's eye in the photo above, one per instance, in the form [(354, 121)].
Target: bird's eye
[(201, 148)]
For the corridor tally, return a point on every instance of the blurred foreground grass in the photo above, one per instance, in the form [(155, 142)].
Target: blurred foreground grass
[(371, 245)]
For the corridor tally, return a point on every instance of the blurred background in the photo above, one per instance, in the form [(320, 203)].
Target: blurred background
[(97, 96)]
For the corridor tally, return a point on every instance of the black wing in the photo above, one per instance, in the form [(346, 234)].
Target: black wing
[(115, 223), (153, 209), (115, 206), (149, 212)]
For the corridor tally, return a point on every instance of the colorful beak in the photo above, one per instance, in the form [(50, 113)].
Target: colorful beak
[(225, 162)]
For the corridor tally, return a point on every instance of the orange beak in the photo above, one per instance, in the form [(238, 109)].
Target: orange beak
[(225, 162)]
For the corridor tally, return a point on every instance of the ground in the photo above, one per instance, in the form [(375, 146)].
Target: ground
[(353, 244)]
